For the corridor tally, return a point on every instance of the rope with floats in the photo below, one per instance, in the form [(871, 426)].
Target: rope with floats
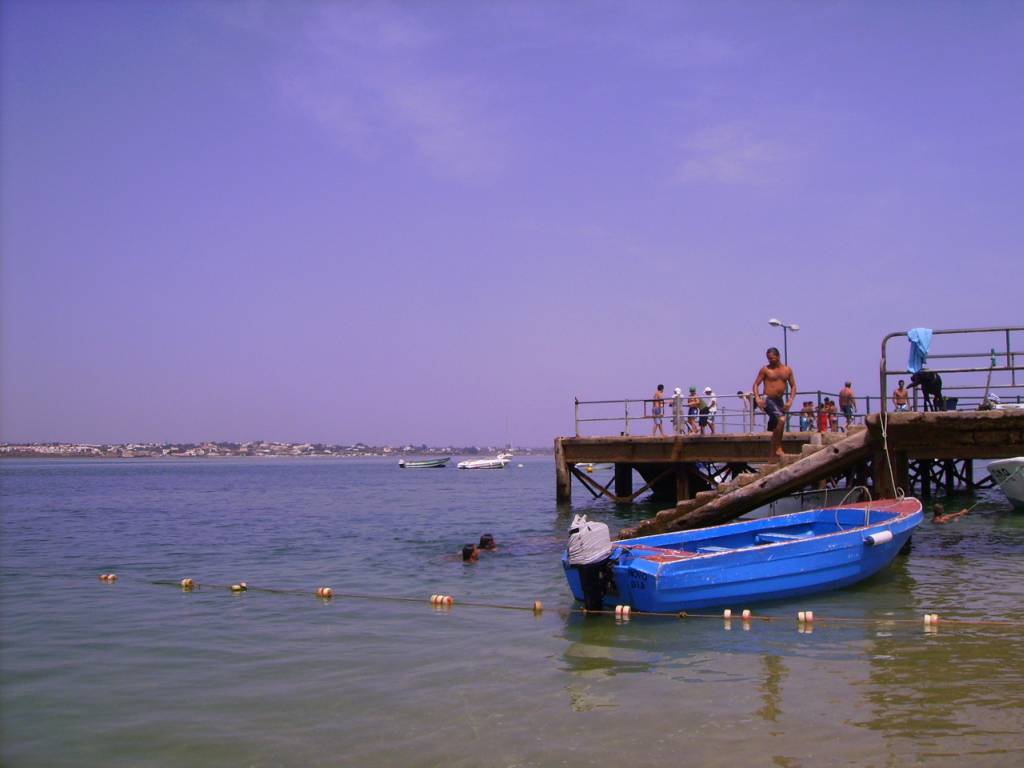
[(806, 620)]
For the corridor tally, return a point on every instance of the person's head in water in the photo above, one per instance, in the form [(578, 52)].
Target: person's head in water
[(470, 553), (773, 355), (487, 542), (938, 509)]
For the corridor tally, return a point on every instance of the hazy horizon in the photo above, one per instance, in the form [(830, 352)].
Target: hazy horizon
[(439, 222)]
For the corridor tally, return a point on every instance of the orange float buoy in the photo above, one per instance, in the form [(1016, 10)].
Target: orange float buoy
[(324, 592), (449, 600), (746, 614), (538, 606), (187, 584)]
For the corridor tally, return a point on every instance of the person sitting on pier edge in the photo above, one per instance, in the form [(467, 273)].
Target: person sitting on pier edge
[(470, 553), (692, 409), (487, 542), (807, 416), (775, 377), (658, 409), (712, 409), (901, 397), (848, 403), (833, 415)]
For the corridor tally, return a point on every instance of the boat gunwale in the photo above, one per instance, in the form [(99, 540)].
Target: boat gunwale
[(678, 556)]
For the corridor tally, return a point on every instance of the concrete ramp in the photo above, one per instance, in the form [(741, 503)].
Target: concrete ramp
[(750, 491)]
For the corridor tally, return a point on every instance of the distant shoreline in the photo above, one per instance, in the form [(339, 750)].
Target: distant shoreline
[(236, 451)]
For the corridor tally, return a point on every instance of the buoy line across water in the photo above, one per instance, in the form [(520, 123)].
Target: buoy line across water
[(805, 619)]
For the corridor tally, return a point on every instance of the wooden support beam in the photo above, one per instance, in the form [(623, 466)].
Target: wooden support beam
[(623, 480), (890, 474), (682, 483), (563, 481)]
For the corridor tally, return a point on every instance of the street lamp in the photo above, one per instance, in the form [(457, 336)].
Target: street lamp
[(786, 328)]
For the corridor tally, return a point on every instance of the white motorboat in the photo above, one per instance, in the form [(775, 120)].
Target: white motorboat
[(499, 462), (1009, 474)]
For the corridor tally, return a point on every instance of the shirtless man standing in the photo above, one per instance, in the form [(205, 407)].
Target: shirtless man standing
[(659, 409), (848, 402), (901, 397), (775, 377)]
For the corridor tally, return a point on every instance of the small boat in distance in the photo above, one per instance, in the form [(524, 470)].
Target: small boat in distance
[(1009, 474), (499, 462), (424, 463), (738, 563)]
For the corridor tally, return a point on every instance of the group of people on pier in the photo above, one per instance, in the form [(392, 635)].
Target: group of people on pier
[(692, 414), (773, 392)]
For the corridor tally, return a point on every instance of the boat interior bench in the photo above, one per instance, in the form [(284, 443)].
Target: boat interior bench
[(776, 538)]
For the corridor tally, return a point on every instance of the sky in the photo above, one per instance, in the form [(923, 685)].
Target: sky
[(439, 222)]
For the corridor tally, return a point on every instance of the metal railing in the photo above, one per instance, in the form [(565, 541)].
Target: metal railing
[(959, 375), (736, 413)]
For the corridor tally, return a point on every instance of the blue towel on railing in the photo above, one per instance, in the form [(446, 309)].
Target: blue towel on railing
[(920, 340)]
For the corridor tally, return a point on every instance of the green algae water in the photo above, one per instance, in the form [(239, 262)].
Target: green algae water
[(141, 674)]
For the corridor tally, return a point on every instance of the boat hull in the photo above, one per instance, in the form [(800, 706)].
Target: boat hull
[(1009, 475), (755, 561), (483, 464), (425, 464)]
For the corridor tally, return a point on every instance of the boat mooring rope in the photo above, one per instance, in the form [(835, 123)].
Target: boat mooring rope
[(806, 620), (883, 420)]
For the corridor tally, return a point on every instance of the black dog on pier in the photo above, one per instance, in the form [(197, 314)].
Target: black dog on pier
[(931, 387)]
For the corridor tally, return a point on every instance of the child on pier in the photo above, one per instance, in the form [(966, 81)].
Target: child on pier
[(807, 416)]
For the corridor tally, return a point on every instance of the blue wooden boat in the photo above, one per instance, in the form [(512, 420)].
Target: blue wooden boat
[(744, 562)]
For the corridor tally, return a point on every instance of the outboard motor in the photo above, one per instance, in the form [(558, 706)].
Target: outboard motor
[(589, 547)]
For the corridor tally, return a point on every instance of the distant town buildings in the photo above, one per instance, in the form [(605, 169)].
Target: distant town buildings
[(228, 449)]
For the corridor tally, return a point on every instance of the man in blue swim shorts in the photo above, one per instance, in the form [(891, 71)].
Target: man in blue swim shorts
[(658, 410), (779, 381)]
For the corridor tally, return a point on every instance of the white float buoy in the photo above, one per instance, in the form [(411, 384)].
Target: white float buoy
[(727, 613), (746, 614), (538, 606), (801, 617), (809, 616)]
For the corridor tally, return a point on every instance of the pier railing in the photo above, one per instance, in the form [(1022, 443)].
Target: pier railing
[(736, 413), (990, 371)]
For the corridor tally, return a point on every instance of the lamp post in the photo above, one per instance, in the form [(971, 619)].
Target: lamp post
[(786, 328)]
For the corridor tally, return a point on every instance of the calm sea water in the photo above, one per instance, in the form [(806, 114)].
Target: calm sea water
[(140, 674)]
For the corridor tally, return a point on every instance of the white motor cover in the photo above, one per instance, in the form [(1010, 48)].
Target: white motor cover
[(588, 542)]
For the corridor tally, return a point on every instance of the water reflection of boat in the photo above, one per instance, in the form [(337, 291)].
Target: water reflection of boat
[(738, 563), (424, 463), (1009, 474)]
